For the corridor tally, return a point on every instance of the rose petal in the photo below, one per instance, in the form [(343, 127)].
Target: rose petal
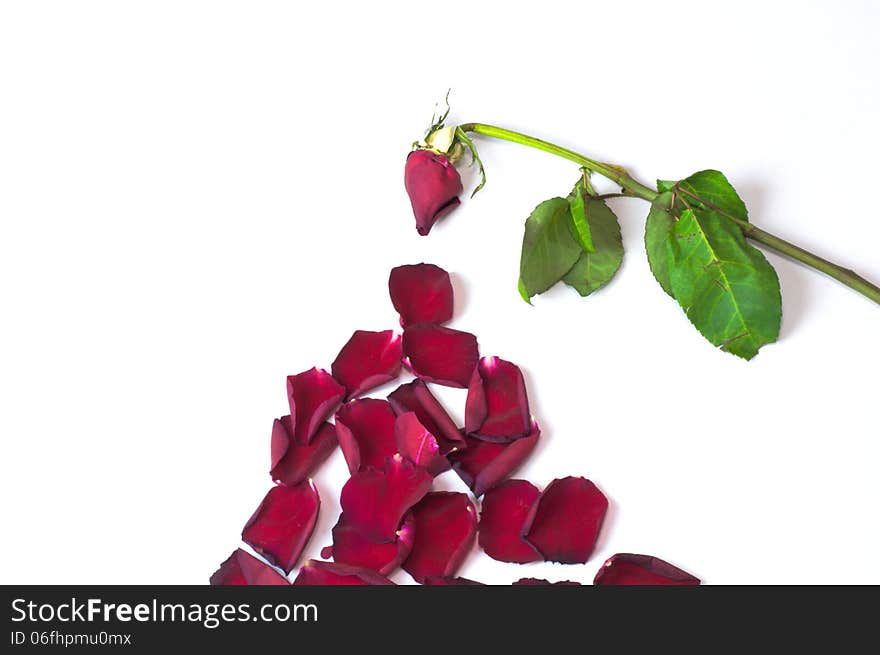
[(505, 514), (316, 572), (418, 445), (416, 397), (283, 524), (293, 463), (536, 582), (446, 526), (433, 185), (350, 547), (375, 502), (440, 354), (367, 360), (421, 293), (312, 395), (631, 569), (365, 429), (446, 581), (567, 520), (497, 408), (242, 568), (483, 464)]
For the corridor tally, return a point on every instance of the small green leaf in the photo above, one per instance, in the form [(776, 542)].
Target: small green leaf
[(593, 270), (711, 190), (579, 220), (665, 185), (658, 227), (728, 290), (549, 249)]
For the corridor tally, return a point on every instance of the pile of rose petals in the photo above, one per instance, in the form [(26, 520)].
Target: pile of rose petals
[(392, 517)]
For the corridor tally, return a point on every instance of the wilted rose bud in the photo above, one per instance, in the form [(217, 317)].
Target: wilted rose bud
[(433, 185)]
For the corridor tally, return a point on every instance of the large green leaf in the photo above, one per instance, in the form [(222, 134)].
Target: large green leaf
[(727, 288), (710, 189), (658, 226), (549, 249), (594, 269)]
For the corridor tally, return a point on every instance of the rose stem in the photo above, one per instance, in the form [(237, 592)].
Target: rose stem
[(633, 187)]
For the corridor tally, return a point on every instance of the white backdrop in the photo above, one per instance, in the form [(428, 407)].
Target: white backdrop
[(199, 198)]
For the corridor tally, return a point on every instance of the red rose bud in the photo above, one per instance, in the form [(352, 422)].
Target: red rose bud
[(433, 186)]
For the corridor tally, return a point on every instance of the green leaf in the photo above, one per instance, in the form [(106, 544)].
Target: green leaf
[(665, 185), (523, 293), (549, 249), (658, 227), (727, 288), (579, 220), (594, 269), (711, 190)]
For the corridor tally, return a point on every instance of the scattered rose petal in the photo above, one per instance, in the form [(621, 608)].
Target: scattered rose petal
[(631, 569), (313, 395), (446, 526), (440, 354), (242, 568), (350, 547), (283, 524), (293, 463), (375, 502), (433, 185), (416, 397), (567, 520), (483, 464), (367, 360), (504, 518), (421, 293), (536, 582), (316, 572), (497, 408), (418, 445), (446, 581), (365, 429)]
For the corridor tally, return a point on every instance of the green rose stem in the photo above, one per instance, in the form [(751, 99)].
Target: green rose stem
[(633, 187)]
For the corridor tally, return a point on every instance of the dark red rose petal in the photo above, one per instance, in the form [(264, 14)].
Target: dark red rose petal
[(541, 582), (365, 429), (293, 463), (312, 395), (630, 569), (504, 517), (242, 568), (418, 445), (375, 502), (350, 547), (441, 581), (440, 354), (421, 293), (368, 360), (433, 185), (416, 397), (316, 572), (497, 408), (283, 524), (567, 520), (483, 464), (446, 526)]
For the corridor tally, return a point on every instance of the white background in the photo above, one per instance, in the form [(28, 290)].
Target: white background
[(199, 198)]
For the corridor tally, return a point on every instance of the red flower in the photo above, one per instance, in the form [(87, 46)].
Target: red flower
[(433, 186)]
